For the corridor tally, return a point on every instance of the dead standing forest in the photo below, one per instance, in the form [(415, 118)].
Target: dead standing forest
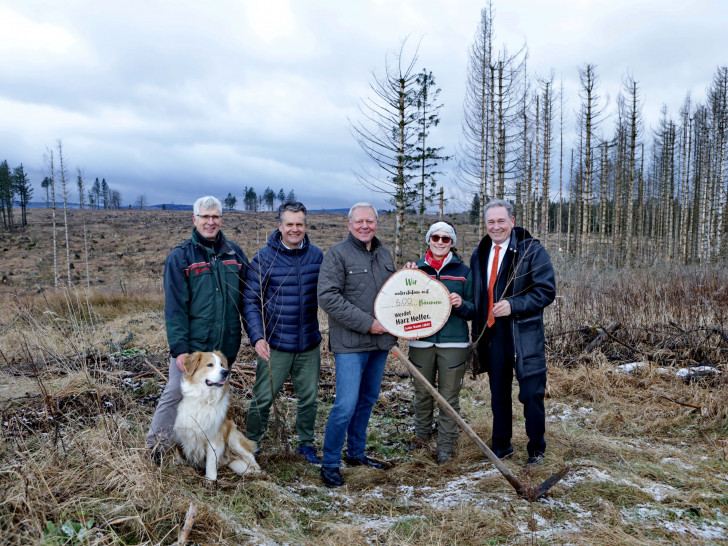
[(636, 346)]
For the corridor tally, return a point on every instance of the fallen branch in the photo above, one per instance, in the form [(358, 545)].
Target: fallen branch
[(716, 330), (146, 361), (613, 327), (189, 522), (682, 403)]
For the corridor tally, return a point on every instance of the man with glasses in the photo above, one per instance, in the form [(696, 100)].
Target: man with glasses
[(203, 282), (281, 314)]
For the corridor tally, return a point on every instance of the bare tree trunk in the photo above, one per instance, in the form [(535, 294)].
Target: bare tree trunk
[(641, 202), (501, 191), (590, 114), (629, 227), (62, 169), (618, 242), (572, 198), (670, 189), (586, 176), (719, 103), (546, 200), (604, 197), (703, 182), (559, 226), (52, 172), (493, 140), (85, 231), (536, 174), (686, 212), (524, 196)]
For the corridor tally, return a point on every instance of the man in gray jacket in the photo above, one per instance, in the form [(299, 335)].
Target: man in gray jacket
[(351, 275)]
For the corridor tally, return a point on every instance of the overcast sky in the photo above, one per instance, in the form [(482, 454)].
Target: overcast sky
[(177, 99)]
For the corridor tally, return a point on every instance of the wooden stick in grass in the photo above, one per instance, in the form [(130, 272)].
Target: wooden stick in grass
[(189, 522)]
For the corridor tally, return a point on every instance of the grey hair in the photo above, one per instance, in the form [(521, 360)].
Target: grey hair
[(291, 206), (363, 205), (207, 202), (498, 203)]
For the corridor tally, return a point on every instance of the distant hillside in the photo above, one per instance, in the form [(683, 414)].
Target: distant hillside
[(173, 206), (71, 205)]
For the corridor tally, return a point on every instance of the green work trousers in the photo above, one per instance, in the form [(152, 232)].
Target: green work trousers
[(447, 366), (304, 370)]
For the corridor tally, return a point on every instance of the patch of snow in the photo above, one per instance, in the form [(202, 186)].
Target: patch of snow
[(657, 491), (559, 412), (636, 367), (675, 520), (697, 371), (632, 367), (677, 462)]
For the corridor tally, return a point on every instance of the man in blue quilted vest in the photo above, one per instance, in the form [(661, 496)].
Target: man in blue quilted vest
[(281, 313)]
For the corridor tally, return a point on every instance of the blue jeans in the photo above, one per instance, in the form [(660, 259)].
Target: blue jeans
[(358, 381)]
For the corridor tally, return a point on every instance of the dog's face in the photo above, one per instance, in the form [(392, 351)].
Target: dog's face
[(210, 369)]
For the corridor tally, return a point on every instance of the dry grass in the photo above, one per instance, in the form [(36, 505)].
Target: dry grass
[(648, 450)]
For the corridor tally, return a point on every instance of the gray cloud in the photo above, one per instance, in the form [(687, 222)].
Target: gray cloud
[(173, 99)]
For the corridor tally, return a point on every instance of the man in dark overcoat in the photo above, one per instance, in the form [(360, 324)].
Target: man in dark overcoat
[(513, 281)]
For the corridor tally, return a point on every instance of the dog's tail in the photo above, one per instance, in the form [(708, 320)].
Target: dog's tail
[(239, 444)]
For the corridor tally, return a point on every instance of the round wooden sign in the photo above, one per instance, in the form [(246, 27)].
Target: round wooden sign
[(412, 305)]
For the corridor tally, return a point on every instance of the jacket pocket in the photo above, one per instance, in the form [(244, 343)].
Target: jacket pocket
[(389, 270), (358, 281), (532, 343), (200, 335), (231, 343)]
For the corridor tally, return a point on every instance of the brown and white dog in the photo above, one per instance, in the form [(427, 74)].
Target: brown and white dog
[(201, 429)]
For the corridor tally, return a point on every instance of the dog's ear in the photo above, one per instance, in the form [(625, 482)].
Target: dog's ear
[(224, 360), (192, 362)]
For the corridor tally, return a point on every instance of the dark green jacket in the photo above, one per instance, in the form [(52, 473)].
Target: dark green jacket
[(458, 279), (203, 295)]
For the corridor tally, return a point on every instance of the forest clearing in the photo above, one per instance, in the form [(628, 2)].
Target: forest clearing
[(637, 407)]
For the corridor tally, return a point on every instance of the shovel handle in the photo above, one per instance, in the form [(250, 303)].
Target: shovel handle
[(507, 474)]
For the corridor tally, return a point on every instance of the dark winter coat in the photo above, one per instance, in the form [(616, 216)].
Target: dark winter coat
[(458, 279), (350, 278), (280, 303), (203, 285), (526, 279)]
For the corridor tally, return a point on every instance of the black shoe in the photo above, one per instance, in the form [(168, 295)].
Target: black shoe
[(155, 456), (309, 453), (506, 453), (332, 477), (443, 456), (362, 461), (536, 459)]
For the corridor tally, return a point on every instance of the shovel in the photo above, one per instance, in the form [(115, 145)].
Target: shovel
[(528, 492)]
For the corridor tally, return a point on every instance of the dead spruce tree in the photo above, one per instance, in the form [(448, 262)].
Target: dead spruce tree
[(388, 136)]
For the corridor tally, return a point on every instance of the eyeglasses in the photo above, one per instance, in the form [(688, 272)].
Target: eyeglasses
[(206, 217), (436, 238)]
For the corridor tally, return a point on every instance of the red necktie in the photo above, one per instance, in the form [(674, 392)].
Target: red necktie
[(491, 285)]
